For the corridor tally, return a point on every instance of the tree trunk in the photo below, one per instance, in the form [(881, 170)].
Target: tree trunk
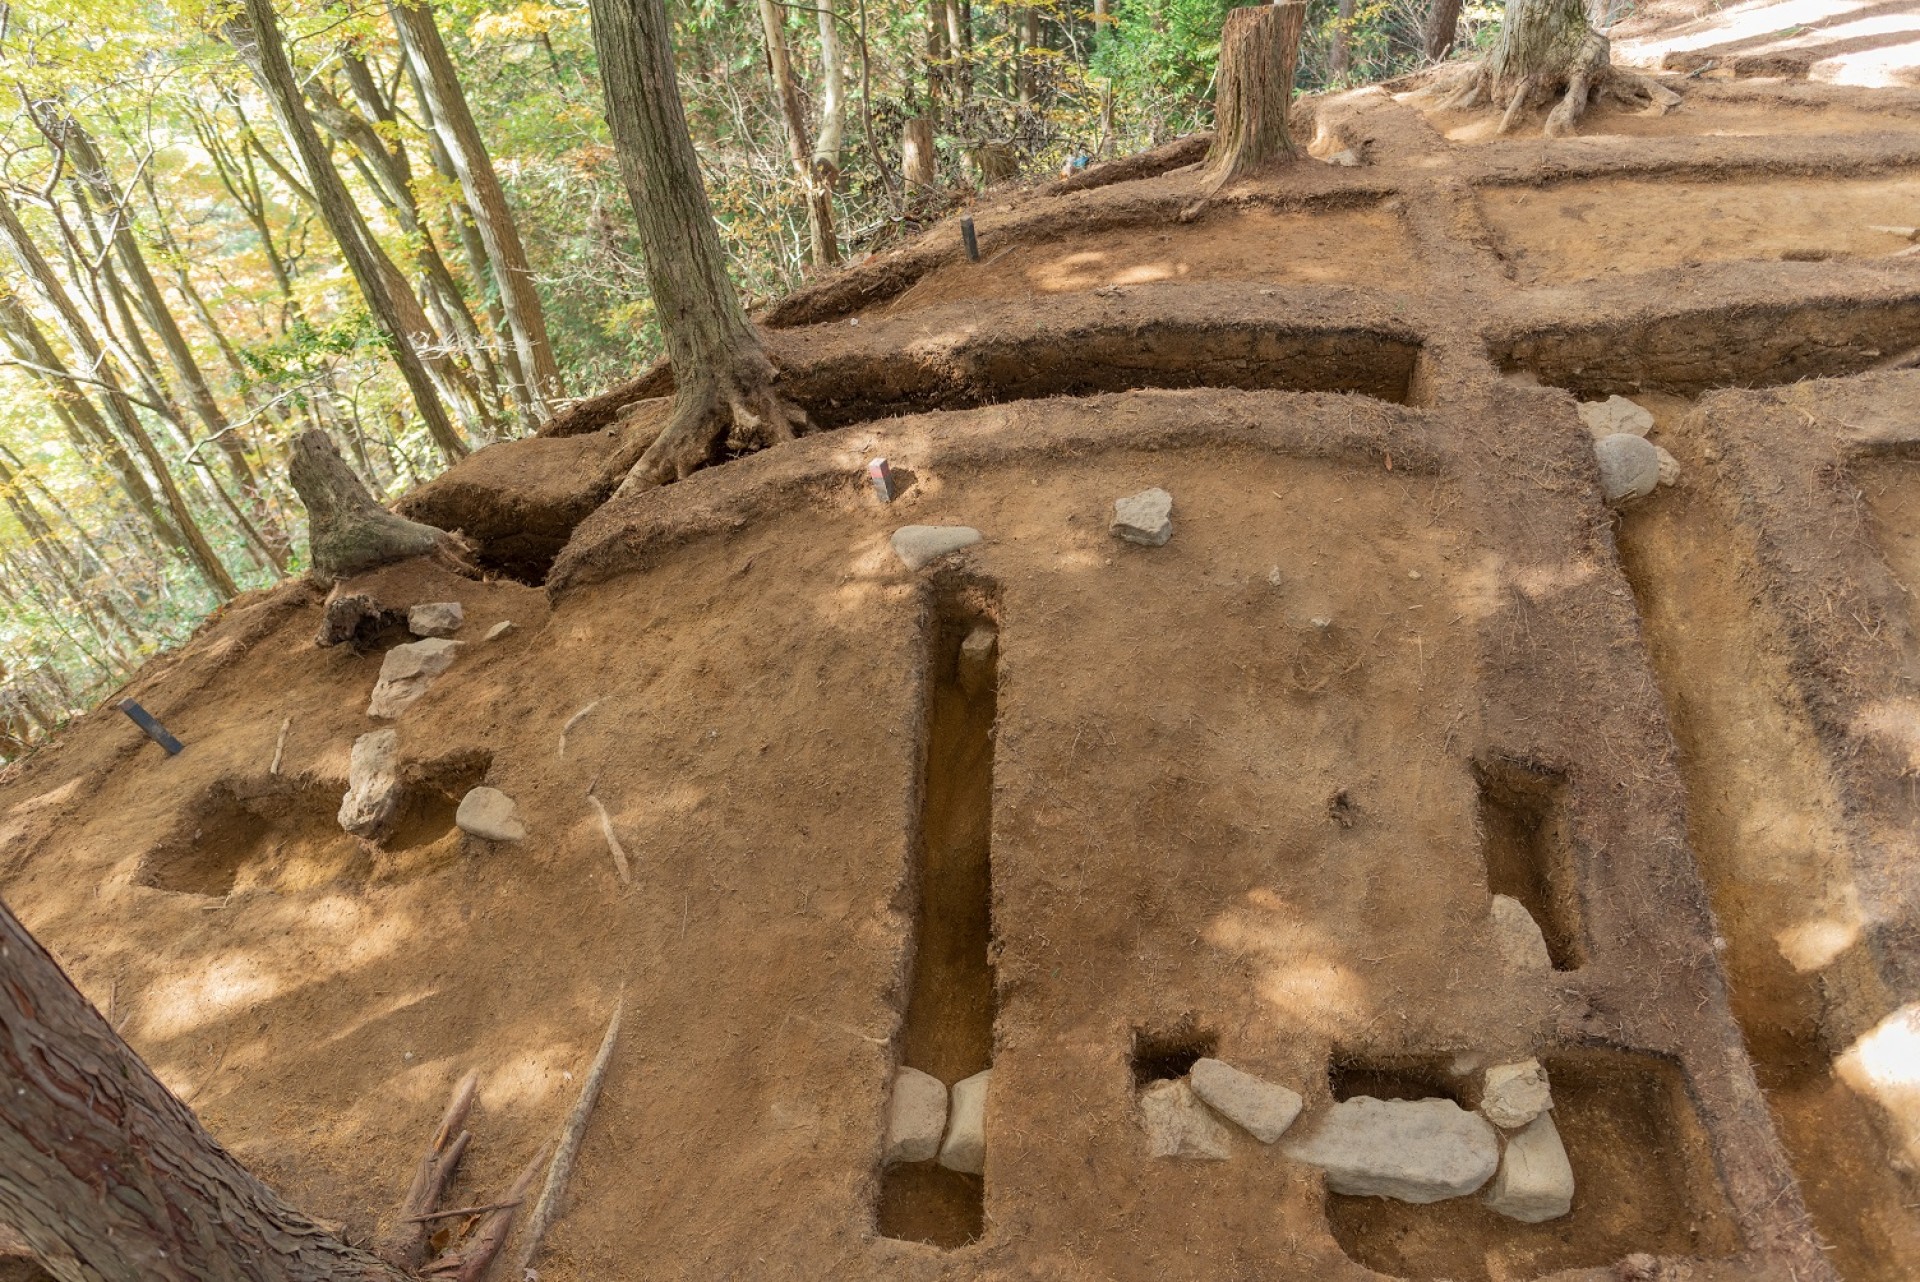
[(258, 42), (108, 1177), (460, 136), (823, 250), (917, 159), (347, 530), (833, 113), (724, 382), (41, 272), (1442, 25), (1341, 60), (1545, 47), (1258, 49)]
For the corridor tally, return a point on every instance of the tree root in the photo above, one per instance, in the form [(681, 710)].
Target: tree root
[(736, 408), (1589, 75), (547, 1209)]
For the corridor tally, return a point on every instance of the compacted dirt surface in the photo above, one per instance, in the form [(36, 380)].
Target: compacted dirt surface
[(1248, 794)]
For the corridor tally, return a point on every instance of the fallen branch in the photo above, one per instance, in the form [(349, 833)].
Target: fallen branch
[(547, 1209), (458, 1211), (613, 841)]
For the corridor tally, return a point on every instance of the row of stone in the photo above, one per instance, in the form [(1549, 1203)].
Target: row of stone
[(926, 1120), (1425, 1150), (1145, 518)]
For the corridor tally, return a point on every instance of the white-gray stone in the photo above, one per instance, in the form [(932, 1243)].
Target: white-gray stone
[(1629, 466), (921, 545), (976, 658), (499, 629), (916, 1116), (436, 619), (1145, 518), (1535, 1182), (965, 1147), (490, 814), (373, 784), (1179, 1125), (1260, 1108), (406, 673), (1669, 467), (1511, 1095), (1412, 1150), (1616, 414), (1518, 935)]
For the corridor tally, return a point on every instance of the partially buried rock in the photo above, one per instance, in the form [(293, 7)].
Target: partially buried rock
[(373, 785), (1669, 467), (1179, 1125), (490, 814), (1411, 1150), (1518, 935), (1145, 518), (965, 1147), (436, 619), (1615, 414), (356, 619), (976, 658), (1511, 1095), (1535, 1182), (1629, 467), (921, 545), (1261, 1109), (406, 673), (916, 1116), (499, 629)]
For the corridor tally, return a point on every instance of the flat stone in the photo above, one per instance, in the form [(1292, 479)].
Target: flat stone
[(1518, 935), (965, 1147), (1511, 1095), (436, 619), (490, 814), (1615, 414), (1145, 518), (1535, 1181), (1669, 466), (499, 629), (1260, 1108), (373, 784), (1411, 1150), (922, 545), (916, 1116), (1629, 466), (406, 673), (1179, 1125), (976, 658)]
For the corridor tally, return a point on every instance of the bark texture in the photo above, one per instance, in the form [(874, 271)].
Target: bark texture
[(917, 160), (1547, 49), (1440, 29), (1254, 85), (347, 530), (724, 382), (823, 248), (108, 1177)]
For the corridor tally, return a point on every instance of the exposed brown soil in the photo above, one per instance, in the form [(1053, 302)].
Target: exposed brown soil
[(1247, 794)]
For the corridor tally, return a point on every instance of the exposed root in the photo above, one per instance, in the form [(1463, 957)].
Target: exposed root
[(405, 1247), (547, 1209), (737, 408), (1586, 73), (469, 1263)]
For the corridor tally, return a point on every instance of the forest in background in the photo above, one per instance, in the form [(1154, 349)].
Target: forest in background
[(176, 306)]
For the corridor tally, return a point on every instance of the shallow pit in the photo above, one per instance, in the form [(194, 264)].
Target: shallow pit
[(1165, 1055), (1339, 246), (1594, 227), (1644, 1179)]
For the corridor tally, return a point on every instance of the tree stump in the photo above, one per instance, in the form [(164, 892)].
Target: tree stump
[(347, 531), (1254, 84)]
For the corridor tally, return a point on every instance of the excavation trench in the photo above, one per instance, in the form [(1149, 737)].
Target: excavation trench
[(948, 1028), (1528, 851), (1763, 821), (1643, 1168)]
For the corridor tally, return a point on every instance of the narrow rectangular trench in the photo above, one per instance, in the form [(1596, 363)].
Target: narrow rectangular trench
[(1523, 830), (948, 1030)]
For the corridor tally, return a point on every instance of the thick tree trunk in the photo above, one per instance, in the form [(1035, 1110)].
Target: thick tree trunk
[(1441, 27), (460, 136), (110, 1178), (1341, 59), (87, 347), (724, 382), (1259, 47), (823, 248), (917, 158), (258, 42), (347, 530)]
